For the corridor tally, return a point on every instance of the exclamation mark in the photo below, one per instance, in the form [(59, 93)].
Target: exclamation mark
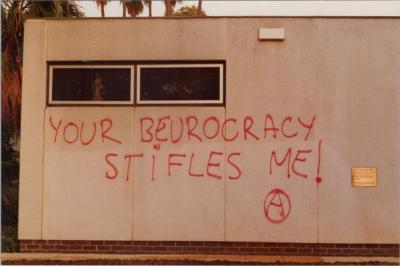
[(318, 179)]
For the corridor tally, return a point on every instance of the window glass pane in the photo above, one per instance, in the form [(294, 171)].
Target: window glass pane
[(91, 84), (179, 83)]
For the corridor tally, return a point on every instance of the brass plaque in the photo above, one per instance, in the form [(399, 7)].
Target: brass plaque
[(363, 177)]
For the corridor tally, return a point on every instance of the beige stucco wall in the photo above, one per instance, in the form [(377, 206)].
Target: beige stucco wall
[(342, 71)]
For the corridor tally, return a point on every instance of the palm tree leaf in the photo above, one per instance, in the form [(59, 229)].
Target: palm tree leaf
[(13, 14), (170, 5), (134, 7)]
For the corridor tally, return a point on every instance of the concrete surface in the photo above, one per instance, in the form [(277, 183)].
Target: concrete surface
[(15, 257), (180, 206), (342, 71), (87, 205), (32, 131)]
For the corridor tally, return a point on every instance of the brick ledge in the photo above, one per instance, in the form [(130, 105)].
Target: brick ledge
[(204, 247)]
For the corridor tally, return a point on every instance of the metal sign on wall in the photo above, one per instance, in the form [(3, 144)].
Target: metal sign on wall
[(363, 177)]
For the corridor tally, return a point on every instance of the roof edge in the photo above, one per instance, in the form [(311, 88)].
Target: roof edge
[(212, 17)]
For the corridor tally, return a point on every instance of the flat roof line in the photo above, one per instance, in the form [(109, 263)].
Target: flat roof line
[(211, 17)]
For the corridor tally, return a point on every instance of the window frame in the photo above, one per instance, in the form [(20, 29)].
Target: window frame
[(133, 65), (220, 102), (52, 66)]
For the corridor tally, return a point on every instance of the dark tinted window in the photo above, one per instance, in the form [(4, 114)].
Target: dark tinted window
[(180, 83), (91, 84)]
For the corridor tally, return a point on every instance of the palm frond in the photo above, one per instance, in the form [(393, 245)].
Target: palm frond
[(134, 7), (13, 15)]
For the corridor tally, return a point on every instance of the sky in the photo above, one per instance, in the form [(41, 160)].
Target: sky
[(265, 8)]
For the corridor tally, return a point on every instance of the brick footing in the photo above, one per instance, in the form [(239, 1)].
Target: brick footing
[(202, 247)]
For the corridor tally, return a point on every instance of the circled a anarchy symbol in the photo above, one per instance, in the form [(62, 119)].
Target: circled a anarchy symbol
[(277, 206)]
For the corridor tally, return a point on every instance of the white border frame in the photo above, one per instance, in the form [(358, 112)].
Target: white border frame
[(62, 66), (180, 102)]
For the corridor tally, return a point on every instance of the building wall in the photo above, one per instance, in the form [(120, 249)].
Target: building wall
[(333, 80)]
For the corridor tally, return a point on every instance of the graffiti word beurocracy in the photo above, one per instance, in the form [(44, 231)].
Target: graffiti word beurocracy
[(191, 128)]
